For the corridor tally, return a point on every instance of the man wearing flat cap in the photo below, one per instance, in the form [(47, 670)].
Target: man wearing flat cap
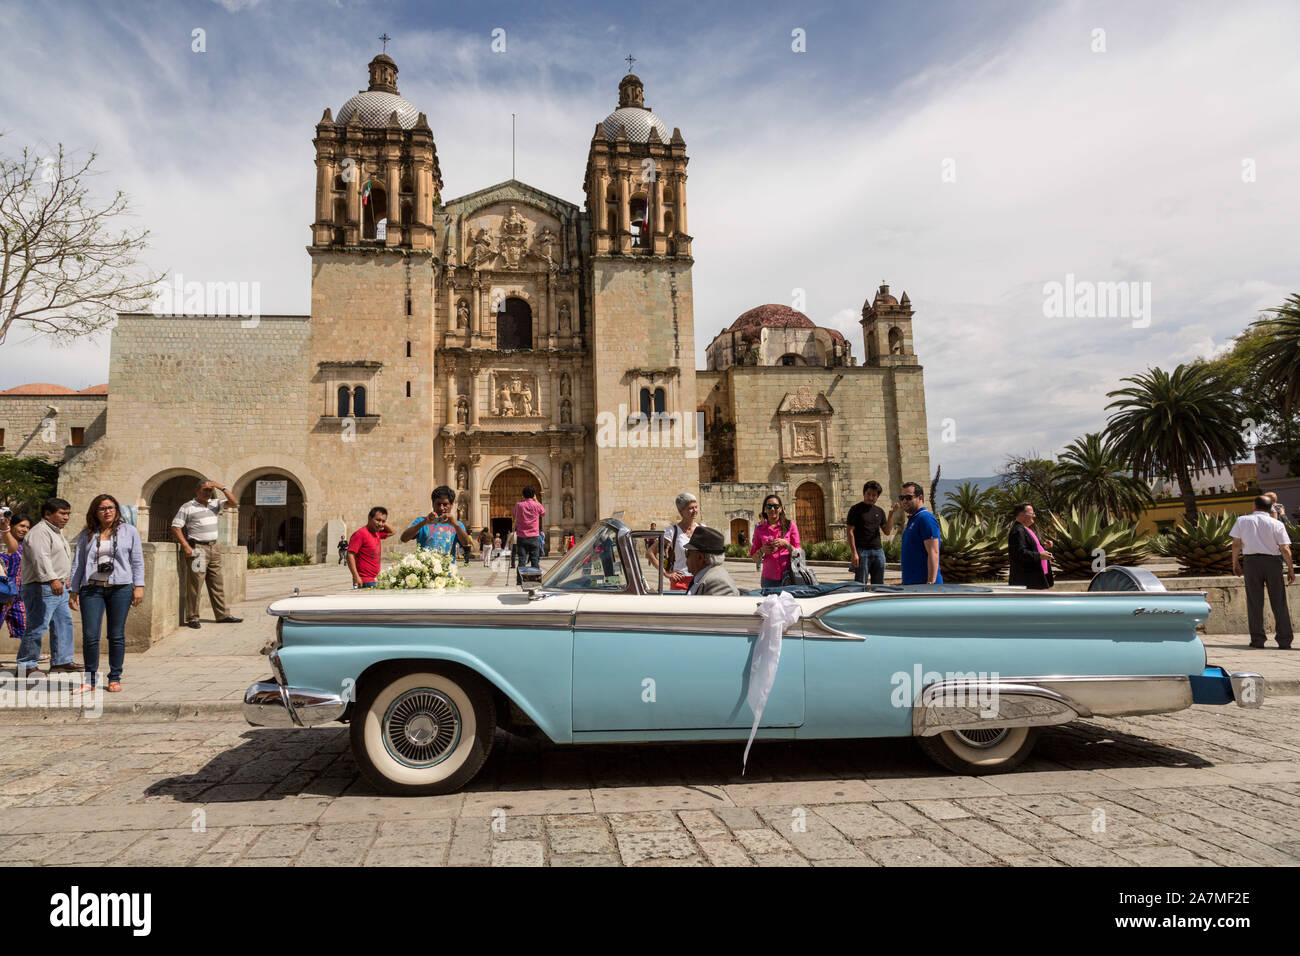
[(706, 556)]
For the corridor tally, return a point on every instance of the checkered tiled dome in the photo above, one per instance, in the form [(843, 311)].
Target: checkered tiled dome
[(638, 122), (374, 108)]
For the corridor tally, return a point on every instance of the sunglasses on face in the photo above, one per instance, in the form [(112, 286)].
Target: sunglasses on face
[(771, 507), (906, 497)]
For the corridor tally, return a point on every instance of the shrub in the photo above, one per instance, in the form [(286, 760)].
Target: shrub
[(827, 551), (277, 559), (737, 550)]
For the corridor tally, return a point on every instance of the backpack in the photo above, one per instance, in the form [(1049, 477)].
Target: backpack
[(798, 572)]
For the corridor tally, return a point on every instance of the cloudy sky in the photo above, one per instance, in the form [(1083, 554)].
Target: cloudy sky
[(968, 153)]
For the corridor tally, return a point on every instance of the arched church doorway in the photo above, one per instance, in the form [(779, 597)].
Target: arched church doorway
[(810, 513), (739, 526), (507, 489), (270, 515), (166, 501), (515, 325)]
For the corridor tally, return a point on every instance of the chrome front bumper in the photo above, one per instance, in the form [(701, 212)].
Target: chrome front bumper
[(268, 704), (1044, 701)]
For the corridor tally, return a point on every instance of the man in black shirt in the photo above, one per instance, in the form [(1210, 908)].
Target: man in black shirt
[(865, 522)]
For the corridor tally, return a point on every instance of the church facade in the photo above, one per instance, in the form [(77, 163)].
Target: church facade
[(503, 338)]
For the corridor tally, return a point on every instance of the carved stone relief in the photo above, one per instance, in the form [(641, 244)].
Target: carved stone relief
[(515, 393), (807, 440)]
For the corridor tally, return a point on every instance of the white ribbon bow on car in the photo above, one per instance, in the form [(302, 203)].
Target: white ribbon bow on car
[(778, 612)]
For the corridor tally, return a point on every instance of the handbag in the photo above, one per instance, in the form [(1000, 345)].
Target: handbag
[(8, 585), (798, 571)]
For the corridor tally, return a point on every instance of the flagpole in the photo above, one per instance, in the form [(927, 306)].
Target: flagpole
[(512, 145)]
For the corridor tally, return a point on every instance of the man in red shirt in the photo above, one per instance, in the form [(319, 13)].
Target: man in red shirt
[(363, 548)]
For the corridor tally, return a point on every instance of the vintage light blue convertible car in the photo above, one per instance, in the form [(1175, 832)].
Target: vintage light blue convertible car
[(599, 651)]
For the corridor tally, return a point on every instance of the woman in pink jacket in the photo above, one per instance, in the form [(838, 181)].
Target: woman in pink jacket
[(775, 536)]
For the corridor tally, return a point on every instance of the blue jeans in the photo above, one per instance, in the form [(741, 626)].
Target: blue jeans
[(45, 610), (770, 582), (871, 563), (95, 601)]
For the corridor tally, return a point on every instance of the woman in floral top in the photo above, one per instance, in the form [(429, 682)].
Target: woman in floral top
[(14, 530), (774, 538)]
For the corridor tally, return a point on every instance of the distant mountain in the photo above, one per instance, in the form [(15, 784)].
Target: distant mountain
[(950, 484)]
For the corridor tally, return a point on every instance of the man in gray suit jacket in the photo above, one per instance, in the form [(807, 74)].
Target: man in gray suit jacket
[(706, 556)]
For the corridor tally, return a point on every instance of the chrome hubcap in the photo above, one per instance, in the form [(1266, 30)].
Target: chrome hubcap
[(421, 727), (982, 737)]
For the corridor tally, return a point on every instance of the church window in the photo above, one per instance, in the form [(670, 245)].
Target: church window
[(78, 436), (408, 312), (408, 345), (359, 400), (646, 402), (406, 213), (408, 389), (660, 402), (406, 182), (340, 211), (790, 358), (338, 181), (895, 341), (345, 401), (515, 325)]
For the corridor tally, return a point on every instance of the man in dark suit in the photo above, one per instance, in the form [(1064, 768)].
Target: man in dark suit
[(706, 556), (1030, 560)]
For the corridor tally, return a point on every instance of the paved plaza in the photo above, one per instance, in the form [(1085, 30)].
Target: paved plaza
[(172, 775)]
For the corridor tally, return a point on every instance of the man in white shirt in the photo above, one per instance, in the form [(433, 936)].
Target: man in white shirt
[(1260, 544), (195, 530)]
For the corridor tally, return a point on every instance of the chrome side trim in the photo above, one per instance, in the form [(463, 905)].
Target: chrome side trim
[(531, 618), (1248, 689), (1038, 701), (268, 704), (814, 627), (738, 624)]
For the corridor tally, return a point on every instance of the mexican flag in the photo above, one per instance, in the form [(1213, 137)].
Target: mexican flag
[(365, 193)]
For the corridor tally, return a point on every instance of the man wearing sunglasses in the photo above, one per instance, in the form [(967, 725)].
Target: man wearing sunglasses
[(920, 538)]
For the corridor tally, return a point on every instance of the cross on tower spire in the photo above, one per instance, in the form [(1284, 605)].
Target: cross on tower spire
[(630, 60), (385, 38)]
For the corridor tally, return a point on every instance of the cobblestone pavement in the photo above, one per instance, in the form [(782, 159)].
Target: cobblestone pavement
[(1207, 786)]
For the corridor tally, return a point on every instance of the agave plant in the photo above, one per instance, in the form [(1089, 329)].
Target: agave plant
[(969, 552), (1201, 548), (1079, 539)]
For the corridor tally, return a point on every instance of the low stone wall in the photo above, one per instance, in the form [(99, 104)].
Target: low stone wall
[(160, 612)]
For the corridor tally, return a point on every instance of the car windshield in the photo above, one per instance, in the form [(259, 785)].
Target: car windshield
[(592, 564)]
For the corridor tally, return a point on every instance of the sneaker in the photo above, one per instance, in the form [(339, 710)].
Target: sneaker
[(230, 620)]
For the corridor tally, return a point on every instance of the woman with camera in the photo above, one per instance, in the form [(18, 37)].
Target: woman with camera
[(775, 538), (107, 578)]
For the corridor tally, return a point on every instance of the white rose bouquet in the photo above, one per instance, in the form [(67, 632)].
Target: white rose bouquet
[(422, 570)]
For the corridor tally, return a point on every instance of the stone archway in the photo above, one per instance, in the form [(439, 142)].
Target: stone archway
[(165, 501), (507, 488), (268, 527), (810, 513)]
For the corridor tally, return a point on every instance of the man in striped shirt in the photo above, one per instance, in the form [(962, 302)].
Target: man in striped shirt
[(195, 529)]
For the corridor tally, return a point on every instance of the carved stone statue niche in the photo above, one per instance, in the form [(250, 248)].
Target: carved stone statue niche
[(564, 385), (462, 314), (565, 319), (462, 411), (481, 251), (567, 472), (462, 477), (568, 507), (566, 412)]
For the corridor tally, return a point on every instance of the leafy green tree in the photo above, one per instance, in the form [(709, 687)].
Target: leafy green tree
[(969, 502), (26, 482), (1174, 423), (1028, 478), (1093, 479), (1279, 354)]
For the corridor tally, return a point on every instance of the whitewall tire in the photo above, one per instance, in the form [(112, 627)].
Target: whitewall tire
[(423, 729), (980, 751)]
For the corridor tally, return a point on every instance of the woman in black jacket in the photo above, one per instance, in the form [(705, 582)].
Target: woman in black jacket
[(1031, 563)]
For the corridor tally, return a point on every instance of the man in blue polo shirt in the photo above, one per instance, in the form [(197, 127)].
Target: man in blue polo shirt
[(920, 539)]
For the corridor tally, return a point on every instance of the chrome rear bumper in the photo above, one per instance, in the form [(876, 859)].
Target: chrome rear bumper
[(1043, 701), (268, 704)]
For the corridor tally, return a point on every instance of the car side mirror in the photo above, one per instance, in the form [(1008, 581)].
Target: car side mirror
[(530, 579)]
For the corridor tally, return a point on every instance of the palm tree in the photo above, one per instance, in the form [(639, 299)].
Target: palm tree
[(1279, 369), (968, 501), (1095, 480), (1171, 424)]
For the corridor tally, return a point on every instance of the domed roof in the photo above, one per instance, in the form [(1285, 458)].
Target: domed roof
[(374, 107), (638, 121), (39, 388), (771, 316)]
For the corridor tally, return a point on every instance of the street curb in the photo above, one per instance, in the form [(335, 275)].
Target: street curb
[(160, 711)]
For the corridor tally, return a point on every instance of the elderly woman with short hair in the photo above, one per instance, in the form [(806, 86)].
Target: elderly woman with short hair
[(678, 537)]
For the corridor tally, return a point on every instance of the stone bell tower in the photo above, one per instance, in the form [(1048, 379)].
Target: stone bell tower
[(887, 330), (643, 320), (371, 345)]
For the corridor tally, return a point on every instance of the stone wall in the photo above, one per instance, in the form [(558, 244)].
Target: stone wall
[(26, 434), (199, 397), (643, 335)]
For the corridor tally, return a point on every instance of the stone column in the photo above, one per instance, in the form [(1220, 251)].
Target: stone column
[(475, 511), (421, 196), (679, 192), (354, 204), (552, 310), (580, 518), (554, 507), (449, 460), (624, 238), (475, 322), (556, 397), (394, 203), (324, 189), (473, 395), (575, 383), (658, 188), (450, 374)]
